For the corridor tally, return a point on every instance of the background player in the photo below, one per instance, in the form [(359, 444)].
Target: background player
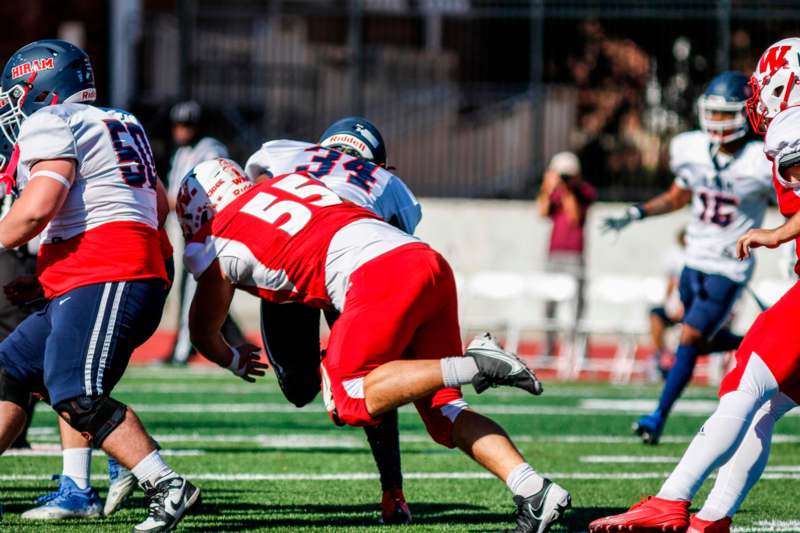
[(292, 239), (765, 384), (723, 172), (351, 160), (89, 186), (194, 147)]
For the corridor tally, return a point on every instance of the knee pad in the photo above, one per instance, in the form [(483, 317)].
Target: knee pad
[(94, 417), (13, 391)]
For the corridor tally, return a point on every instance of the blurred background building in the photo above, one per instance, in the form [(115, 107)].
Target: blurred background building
[(473, 96)]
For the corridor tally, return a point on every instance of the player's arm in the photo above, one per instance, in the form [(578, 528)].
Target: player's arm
[(772, 238), (40, 201), (550, 183), (675, 198), (208, 311)]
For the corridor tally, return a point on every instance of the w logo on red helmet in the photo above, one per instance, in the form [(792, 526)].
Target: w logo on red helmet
[(773, 59)]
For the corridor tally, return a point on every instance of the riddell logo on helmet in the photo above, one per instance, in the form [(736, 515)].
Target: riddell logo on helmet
[(348, 139), (773, 59), (45, 63)]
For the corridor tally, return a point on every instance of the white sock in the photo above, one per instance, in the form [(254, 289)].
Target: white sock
[(152, 468), (524, 481), (78, 465), (716, 442), (742, 471), (458, 371)]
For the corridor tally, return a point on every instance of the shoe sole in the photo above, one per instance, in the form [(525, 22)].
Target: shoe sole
[(635, 529), (531, 374), (558, 501), (55, 515)]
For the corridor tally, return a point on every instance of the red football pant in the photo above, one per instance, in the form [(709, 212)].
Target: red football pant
[(402, 304), (775, 337)]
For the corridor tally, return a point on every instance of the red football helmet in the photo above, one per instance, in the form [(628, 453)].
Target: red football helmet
[(775, 83)]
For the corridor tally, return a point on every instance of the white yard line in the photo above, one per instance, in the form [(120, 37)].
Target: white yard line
[(358, 476), (54, 450), (628, 459)]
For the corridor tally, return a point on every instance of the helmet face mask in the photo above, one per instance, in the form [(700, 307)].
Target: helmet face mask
[(721, 108), (206, 190)]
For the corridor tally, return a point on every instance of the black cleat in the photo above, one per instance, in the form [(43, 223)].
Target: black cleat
[(499, 367), (170, 499), (536, 513)]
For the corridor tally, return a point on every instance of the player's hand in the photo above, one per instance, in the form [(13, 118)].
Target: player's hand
[(246, 362), (617, 223), (756, 238), (24, 290)]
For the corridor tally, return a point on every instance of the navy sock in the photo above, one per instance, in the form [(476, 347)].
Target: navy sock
[(384, 440), (679, 376), (724, 341)]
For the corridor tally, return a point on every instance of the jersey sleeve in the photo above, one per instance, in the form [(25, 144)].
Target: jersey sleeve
[(406, 212), (782, 142), (45, 135), (680, 161), (257, 164)]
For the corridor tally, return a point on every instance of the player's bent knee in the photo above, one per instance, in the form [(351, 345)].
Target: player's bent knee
[(13, 391), (300, 391), (93, 417), (440, 422)]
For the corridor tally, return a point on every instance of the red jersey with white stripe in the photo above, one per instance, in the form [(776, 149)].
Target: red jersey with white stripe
[(292, 239), (782, 143), (106, 228)]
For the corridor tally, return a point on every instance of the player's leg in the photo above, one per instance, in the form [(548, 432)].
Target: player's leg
[(363, 377), (743, 470), (744, 390), (707, 300), (21, 362), (74, 497), (182, 349), (94, 331), (384, 442), (659, 323)]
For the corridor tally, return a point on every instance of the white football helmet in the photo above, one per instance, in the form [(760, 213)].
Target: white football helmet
[(206, 190), (775, 83)]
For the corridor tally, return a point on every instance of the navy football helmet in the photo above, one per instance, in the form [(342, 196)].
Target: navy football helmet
[(356, 136), (722, 107), (38, 75)]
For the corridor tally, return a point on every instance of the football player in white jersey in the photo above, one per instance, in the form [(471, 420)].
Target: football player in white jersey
[(89, 189), (765, 384), (722, 171), (350, 159)]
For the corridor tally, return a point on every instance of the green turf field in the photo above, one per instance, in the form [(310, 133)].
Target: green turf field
[(264, 465)]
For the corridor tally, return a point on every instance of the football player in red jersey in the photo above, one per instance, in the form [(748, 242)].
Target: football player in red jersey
[(397, 340), (765, 384)]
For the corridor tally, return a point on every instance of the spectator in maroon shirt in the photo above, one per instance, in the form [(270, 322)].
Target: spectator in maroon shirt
[(565, 199)]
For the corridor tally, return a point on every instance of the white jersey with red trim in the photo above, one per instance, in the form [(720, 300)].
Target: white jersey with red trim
[(356, 180), (290, 239), (115, 177), (106, 228), (782, 148), (730, 194)]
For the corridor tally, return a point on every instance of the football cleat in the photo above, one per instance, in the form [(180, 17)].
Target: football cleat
[(170, 499), (650, 515), (649, 427), (499, 367), (67, 502), (394, 509), (536, 513), (698, 525), (121, 483)]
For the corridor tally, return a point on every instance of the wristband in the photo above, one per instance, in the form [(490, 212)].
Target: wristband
[(234, 366), (637, 212)]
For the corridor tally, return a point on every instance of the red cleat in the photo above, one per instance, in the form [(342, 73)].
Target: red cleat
[(394, 509), (651, 515), (698, 525)]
